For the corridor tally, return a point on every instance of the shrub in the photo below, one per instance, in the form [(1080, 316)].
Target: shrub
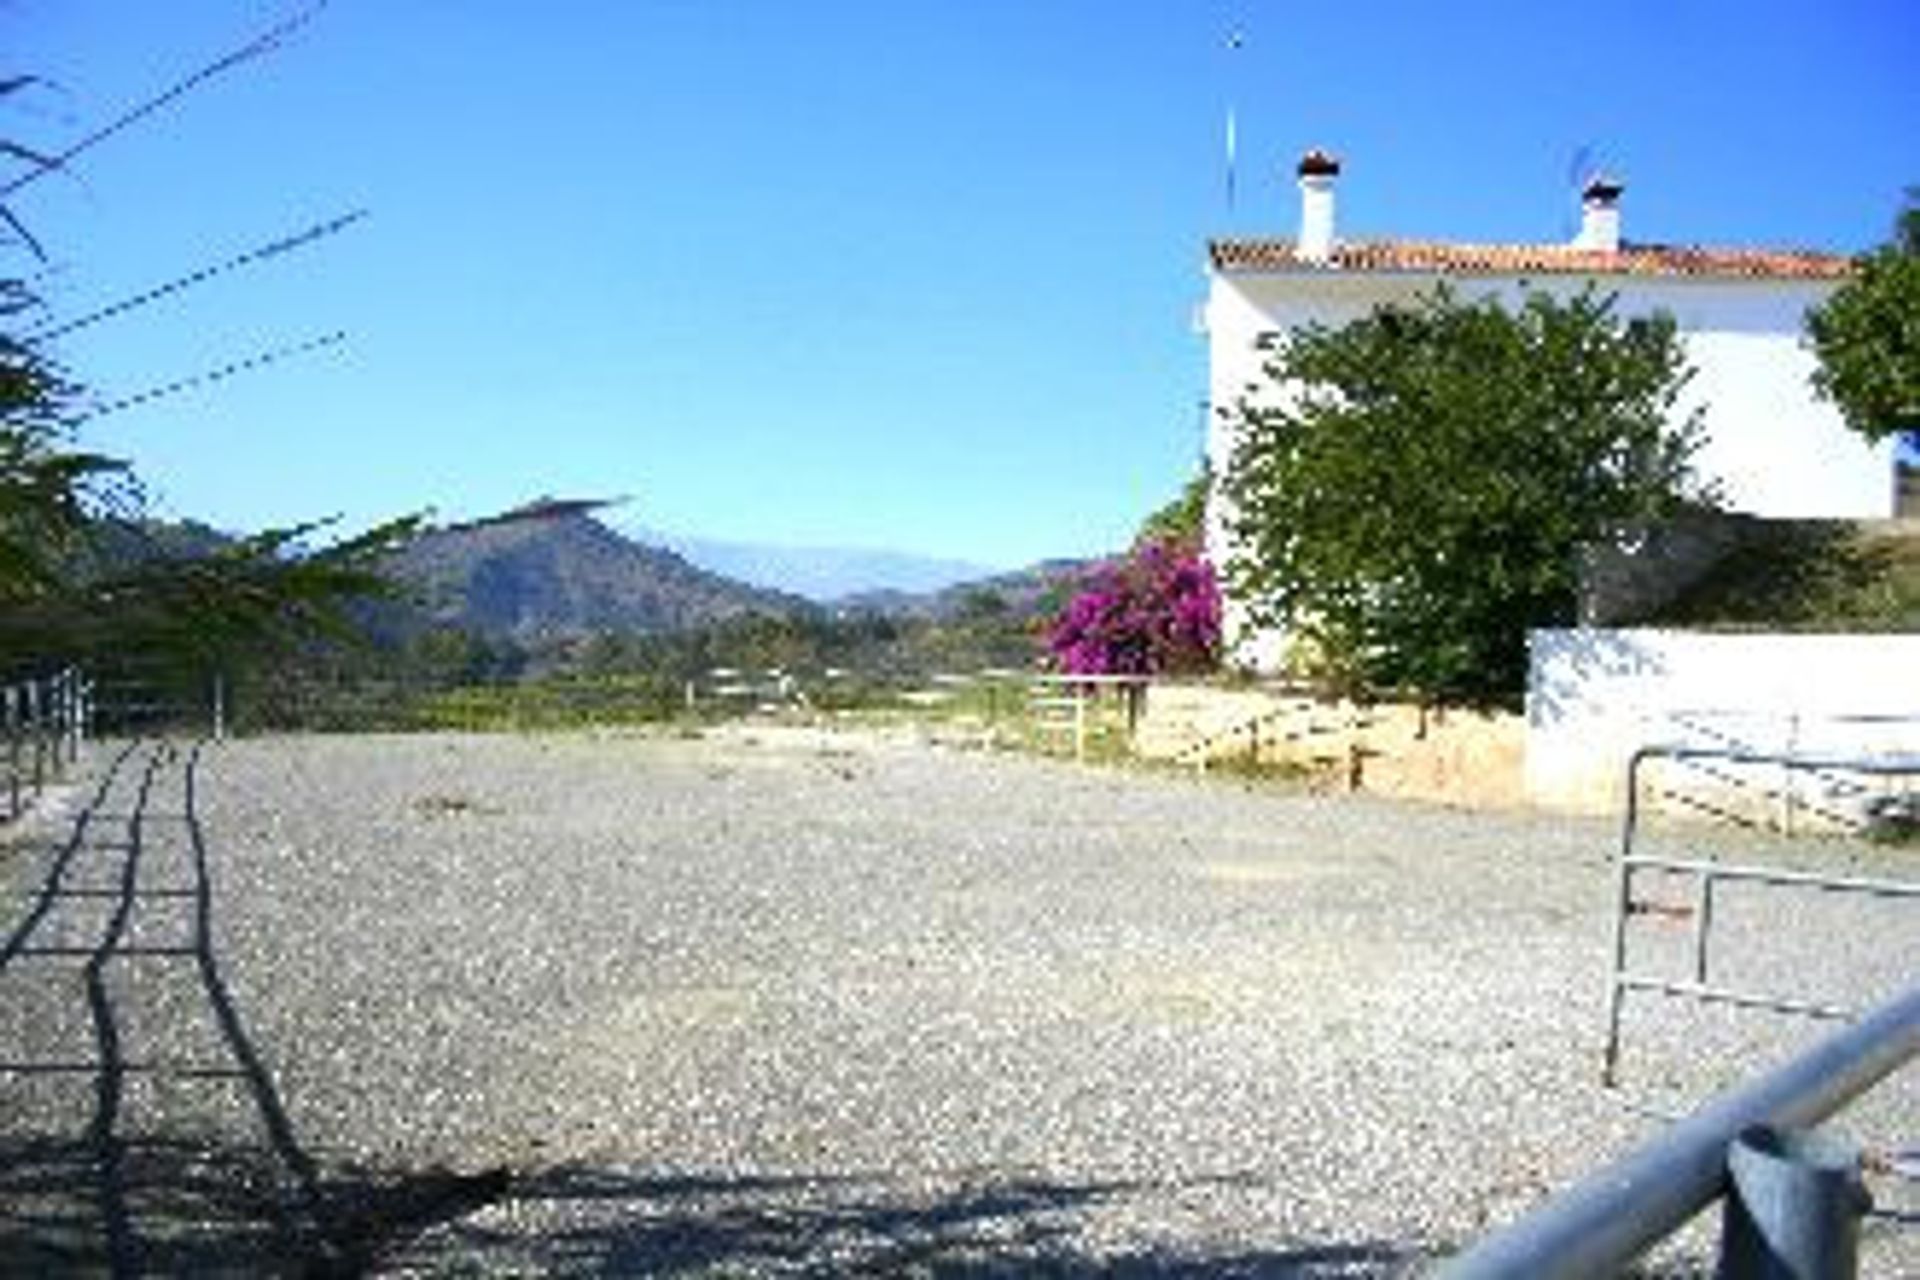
[(1157, 610)]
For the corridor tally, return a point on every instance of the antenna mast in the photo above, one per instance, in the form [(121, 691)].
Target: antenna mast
[(1234, 41)]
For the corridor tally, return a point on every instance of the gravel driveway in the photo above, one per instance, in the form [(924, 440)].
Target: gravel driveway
[(773, 1000)]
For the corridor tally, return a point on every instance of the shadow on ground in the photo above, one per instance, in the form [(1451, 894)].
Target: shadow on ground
[(206, 1207), (102, 1185)]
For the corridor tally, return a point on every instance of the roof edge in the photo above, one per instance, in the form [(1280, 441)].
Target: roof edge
[(1258, 255)]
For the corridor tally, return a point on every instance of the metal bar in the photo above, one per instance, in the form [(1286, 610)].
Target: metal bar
[(1872, 885), (1622, 911), (1874, 765), (1080, 728), (13, 753), (35, 716), (1786, 774), (1726, 995), (1608, 1218), (1702, 922)]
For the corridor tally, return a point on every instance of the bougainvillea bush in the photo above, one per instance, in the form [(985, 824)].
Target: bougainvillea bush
[(1155, 611)]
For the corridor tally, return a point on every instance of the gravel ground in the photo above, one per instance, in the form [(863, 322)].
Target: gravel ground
[(771, 1000)]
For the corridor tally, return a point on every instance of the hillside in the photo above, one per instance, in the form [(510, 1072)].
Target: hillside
[(1024, 593), (550, 576), (1809, 575)]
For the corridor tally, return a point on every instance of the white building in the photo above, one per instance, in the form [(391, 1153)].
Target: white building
[(1773, 448)]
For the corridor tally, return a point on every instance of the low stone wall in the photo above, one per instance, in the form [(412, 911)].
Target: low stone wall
[(1451, 757)]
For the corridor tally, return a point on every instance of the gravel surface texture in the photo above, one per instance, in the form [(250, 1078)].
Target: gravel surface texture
[(776, 1000)]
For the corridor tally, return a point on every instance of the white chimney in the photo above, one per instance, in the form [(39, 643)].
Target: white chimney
[(1600, 215), (1317, 171)]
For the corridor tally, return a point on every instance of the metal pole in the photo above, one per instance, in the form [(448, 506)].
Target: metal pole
[(35, 716), (1080, 724), (1610, 1217), (1702, 924), (1622, 909), (1787, 781), (219, 707), (1793, 1207), (13, 752)]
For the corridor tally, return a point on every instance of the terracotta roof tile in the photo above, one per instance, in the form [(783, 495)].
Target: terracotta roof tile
[(1268, 255)]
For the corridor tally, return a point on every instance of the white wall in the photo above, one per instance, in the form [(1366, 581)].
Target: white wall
[(1771, 447), (1594, 696)]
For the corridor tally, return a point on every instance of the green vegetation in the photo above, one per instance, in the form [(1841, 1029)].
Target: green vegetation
[(447, 677), (1182, 522), (1809, 575), (82, 581), (1412, 498), (1867, 336)]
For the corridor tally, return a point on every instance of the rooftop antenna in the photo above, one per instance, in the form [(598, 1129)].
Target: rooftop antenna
[(1234, 42)]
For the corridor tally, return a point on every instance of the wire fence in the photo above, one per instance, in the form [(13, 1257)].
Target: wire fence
[(46, 720)]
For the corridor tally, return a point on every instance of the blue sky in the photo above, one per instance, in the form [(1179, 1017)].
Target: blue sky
[(914, 274)]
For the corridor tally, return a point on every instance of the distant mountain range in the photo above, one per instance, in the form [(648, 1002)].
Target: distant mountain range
[(824, 574), (1036, 589), (550, 571)]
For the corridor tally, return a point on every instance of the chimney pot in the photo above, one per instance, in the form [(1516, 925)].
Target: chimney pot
[(1317, 171), (1318, 163), (1600, 215)]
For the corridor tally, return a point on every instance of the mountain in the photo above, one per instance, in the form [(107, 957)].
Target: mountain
[(822, 574), (551, 570), (1037, 589)]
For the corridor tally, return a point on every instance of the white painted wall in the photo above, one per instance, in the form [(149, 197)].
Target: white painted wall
[(1770, 446), (1594, 696)]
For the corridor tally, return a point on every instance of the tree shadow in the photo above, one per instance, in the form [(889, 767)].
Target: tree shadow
[(211, 1206), (586, 1221)]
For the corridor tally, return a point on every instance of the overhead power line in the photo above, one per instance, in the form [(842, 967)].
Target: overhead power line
[(209, 377), (284, 245), (260, 45)]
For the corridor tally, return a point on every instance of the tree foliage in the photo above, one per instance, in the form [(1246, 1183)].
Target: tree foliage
[(1412, 496), (1182, 521), (1867, 336), (80, 577)]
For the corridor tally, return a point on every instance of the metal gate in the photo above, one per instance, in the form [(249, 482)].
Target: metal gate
[(1871, 795)]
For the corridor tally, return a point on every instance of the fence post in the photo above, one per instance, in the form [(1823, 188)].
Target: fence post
[(13, 752), (35, 716), (219, 707), (1080, 723), (1786, 776), (1793, 1207)]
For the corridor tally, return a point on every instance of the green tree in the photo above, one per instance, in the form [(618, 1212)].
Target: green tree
[(1183, 520), (1867, 335), (80, 575), (1413, 497)]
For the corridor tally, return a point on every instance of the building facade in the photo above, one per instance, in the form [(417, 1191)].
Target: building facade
[(1770, 445)]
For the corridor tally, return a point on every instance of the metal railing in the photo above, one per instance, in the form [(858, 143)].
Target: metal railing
[(1707, 875), (1761, 769), (45, 720), (1066, 705), (1612, 1216), (1332, 732)]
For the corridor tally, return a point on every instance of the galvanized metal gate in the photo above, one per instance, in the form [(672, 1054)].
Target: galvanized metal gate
[(1878, 794)]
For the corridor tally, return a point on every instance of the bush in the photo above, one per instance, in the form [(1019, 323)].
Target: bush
[(1157, 610)]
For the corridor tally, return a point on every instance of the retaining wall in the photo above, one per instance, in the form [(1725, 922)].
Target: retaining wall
[(1595, 695)]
